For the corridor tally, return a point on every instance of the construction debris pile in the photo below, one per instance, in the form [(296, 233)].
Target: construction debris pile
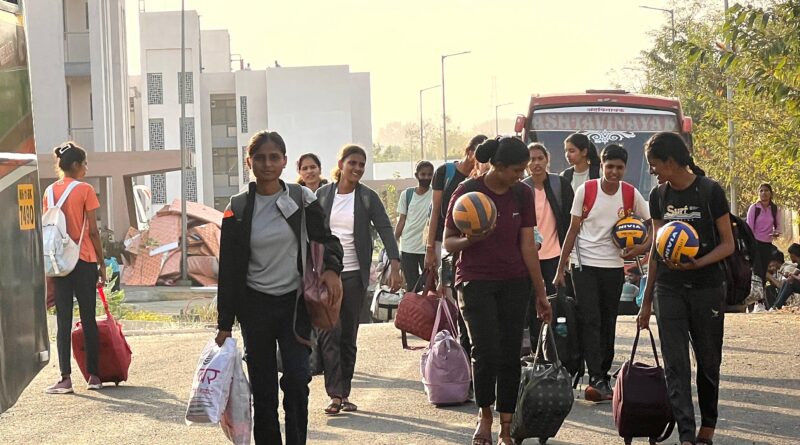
[(153, 256)]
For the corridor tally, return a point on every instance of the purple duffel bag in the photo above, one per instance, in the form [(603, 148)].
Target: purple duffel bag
[(444, 367)]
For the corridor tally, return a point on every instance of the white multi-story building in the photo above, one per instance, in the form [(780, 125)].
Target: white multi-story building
[(79, 86), (315, 109)]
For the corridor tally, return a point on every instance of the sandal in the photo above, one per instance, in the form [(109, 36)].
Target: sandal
[(499, 438), (349, 407), (334, 408), (481, 439)]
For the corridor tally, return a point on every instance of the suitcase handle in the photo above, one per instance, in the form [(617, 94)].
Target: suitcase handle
[(652, 343), (539, 344), (103, 299)]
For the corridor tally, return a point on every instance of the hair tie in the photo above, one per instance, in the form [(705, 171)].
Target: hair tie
[(64, 148)]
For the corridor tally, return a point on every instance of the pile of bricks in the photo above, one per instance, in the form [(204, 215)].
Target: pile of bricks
[(153, 256)]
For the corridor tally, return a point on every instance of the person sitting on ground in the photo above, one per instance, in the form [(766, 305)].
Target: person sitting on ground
[(774, 279), (791, 284)]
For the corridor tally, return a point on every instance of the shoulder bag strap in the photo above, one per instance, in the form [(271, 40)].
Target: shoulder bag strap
[(555, 186), (589, 195), (66, 193)]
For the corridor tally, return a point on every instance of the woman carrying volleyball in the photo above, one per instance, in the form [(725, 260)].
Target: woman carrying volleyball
[(493, 277), (691, 292)]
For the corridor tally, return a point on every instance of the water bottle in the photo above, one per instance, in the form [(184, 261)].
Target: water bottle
[(561, 326)]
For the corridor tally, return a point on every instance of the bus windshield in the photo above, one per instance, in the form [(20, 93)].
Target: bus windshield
[(625, 126)]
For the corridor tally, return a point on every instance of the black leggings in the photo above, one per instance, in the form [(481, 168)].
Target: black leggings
[(698, 316), (494, 312), (81, 283)]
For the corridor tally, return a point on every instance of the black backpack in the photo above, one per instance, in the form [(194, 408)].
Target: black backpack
[(739, 266)]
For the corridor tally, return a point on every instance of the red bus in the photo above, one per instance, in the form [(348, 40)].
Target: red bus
[(606, 117)]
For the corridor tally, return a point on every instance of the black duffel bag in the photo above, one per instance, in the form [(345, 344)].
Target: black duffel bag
[(545, 394)]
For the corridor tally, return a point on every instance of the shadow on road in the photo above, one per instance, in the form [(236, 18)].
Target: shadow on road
[(147, 401)]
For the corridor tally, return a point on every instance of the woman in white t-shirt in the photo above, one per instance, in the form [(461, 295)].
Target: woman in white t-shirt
[(582, 157), (597, 263), (352, 210)]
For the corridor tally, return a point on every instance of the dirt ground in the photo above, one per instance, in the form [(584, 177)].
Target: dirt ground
[(759, 403)]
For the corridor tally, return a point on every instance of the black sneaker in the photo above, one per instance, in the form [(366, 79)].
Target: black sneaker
[(599, 391)]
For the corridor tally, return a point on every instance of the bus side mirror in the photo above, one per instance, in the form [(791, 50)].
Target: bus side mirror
[(688, 124), (519, 125)]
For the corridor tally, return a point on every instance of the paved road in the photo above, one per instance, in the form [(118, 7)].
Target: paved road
[(760, 396)]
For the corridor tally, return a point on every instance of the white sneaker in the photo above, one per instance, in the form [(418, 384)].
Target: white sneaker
[(758, 308)]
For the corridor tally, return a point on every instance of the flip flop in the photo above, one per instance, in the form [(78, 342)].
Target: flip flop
[(333, 409), (349, 407)]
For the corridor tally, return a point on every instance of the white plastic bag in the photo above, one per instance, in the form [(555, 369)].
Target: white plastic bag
[(212, 382), (236, 420)]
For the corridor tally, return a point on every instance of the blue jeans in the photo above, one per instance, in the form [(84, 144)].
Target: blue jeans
[(789, 287), (267, 320)]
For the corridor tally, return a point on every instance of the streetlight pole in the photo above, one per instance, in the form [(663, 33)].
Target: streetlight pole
[(496, 124), (672, 26), (421, 135), (182, 86), (671, 15), (444, 112), (731, 134)]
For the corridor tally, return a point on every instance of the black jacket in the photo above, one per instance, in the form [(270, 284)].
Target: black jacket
[(368, 211), (234, 248), (594, 173), (562, 212)]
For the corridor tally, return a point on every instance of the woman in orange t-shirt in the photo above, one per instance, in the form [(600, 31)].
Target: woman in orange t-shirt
[(79, 210)]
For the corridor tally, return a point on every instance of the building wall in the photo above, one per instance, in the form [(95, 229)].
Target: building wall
[(160, 42), (211, 84), (252, 86), (216, 51), (45, 32), (310, 107), (361, 112)]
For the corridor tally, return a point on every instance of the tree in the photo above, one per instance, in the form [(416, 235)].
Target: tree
[(697, 71)]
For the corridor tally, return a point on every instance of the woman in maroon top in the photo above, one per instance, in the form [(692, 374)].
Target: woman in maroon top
[(493, 277)]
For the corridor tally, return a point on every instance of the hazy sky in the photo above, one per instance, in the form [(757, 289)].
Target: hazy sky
[(518, 47)]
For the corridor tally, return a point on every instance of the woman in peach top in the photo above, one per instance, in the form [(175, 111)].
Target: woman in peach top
[(79, 210)]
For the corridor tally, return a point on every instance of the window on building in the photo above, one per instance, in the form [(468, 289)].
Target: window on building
[(156, 133), (243, 112), (245, 170), (186, 87), (191, 185), (187, 130), (155, 89), (158, 185), (225, 165)]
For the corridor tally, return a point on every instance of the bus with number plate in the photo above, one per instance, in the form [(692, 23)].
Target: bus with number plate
[(24, 342)]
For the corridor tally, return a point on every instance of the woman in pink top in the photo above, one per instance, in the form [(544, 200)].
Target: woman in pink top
[(79, 210), (763, 219)]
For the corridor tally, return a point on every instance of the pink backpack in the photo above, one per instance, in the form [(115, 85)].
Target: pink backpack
[(445, 369)]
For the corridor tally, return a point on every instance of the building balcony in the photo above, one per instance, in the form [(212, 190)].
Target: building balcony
[(83, 136), (77, 53)]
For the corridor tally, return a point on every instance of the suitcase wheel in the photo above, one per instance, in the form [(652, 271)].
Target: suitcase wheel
[(628, 440), (517, 441), (653, 441), (543, 440)]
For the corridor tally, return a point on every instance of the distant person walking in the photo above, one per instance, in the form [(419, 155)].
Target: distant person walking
[(597, 263), (79, 206), (309, 168), (764, 220), (260, 284), (352, 210), (582, 157), (494, 276), (414, 208), (691, 295)]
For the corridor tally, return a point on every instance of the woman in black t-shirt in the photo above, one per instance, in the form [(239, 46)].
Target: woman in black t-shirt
[(690, 295)]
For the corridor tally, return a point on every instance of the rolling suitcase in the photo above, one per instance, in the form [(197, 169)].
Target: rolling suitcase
[(641, 405), (114, 353), (545, 394)]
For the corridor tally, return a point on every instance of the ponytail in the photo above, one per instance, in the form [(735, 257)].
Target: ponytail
[(344, 153), (694, 168)]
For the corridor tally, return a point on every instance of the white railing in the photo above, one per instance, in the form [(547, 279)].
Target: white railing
[(76, 47)]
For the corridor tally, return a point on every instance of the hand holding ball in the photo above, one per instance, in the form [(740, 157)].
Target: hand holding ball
[(474, 214), (677, 242)]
